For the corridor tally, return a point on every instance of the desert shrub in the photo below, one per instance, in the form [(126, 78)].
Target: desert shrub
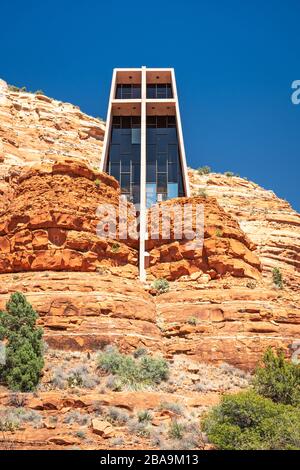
[(139, 428), (117, 416), (192, 321), (83, 419), (115, 247), (278, 379), (134, 372), (202, 192), (139, 352), (75, 380), (17, 400), (117, 441), (161, 286), (251, 284), (78, 376), (204, 170), (174, 407), (97, 182), (39, 92), (24, 350), (229, 173), (144, 416), (176, 430), (219, 232), (247, 421), (277, 278), (12, 418)]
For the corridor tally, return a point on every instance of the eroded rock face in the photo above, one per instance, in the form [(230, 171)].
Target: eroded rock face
[(86, 311), (225, 248), (37, 129), (50, 222), (267, 220), (231, 321)]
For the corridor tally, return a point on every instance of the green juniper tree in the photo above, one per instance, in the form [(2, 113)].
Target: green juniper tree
[(24, 349)]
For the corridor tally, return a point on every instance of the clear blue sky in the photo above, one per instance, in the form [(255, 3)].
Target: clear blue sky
[(234, 60)]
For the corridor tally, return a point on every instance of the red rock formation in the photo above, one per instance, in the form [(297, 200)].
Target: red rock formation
[(268, 221), (51, 220), (225, 249)]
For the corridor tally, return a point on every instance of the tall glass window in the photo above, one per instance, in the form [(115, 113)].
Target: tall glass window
[(128, 91), (159, 90), (164, 174), (125, 153)]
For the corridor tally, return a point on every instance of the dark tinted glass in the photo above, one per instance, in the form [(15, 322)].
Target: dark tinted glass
[(125, 182), (159, 91), (128, 91), (161, 182)]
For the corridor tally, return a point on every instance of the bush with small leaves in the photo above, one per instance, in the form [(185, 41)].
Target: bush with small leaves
[(204, 170), (24, 350), (97, 182), (229, 173), (161, 286), (277, 278), (134, 372), (192, 321), (278, 379), (247, 421)]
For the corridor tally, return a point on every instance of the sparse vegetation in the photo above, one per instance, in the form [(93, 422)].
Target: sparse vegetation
[(12, 418), (79, 376), (192, 321), (133, 372), (144, 416), (24, 350), (277, 278), (176, 430), (251, 284), (229, 173), (219, 232), (173, 407), (202, 193), (204, 170), (83, 419), (115, 247), (278, 379), (97, 182), (39, 92), (117, 416), (139, 352), (161, 286)]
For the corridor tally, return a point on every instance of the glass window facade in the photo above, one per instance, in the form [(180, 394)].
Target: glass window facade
[(125, 155), (163, 162), (159, 91), (163, 168), (128, 91)]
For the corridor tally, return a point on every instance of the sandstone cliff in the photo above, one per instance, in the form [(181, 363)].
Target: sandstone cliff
[(222, 306)]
